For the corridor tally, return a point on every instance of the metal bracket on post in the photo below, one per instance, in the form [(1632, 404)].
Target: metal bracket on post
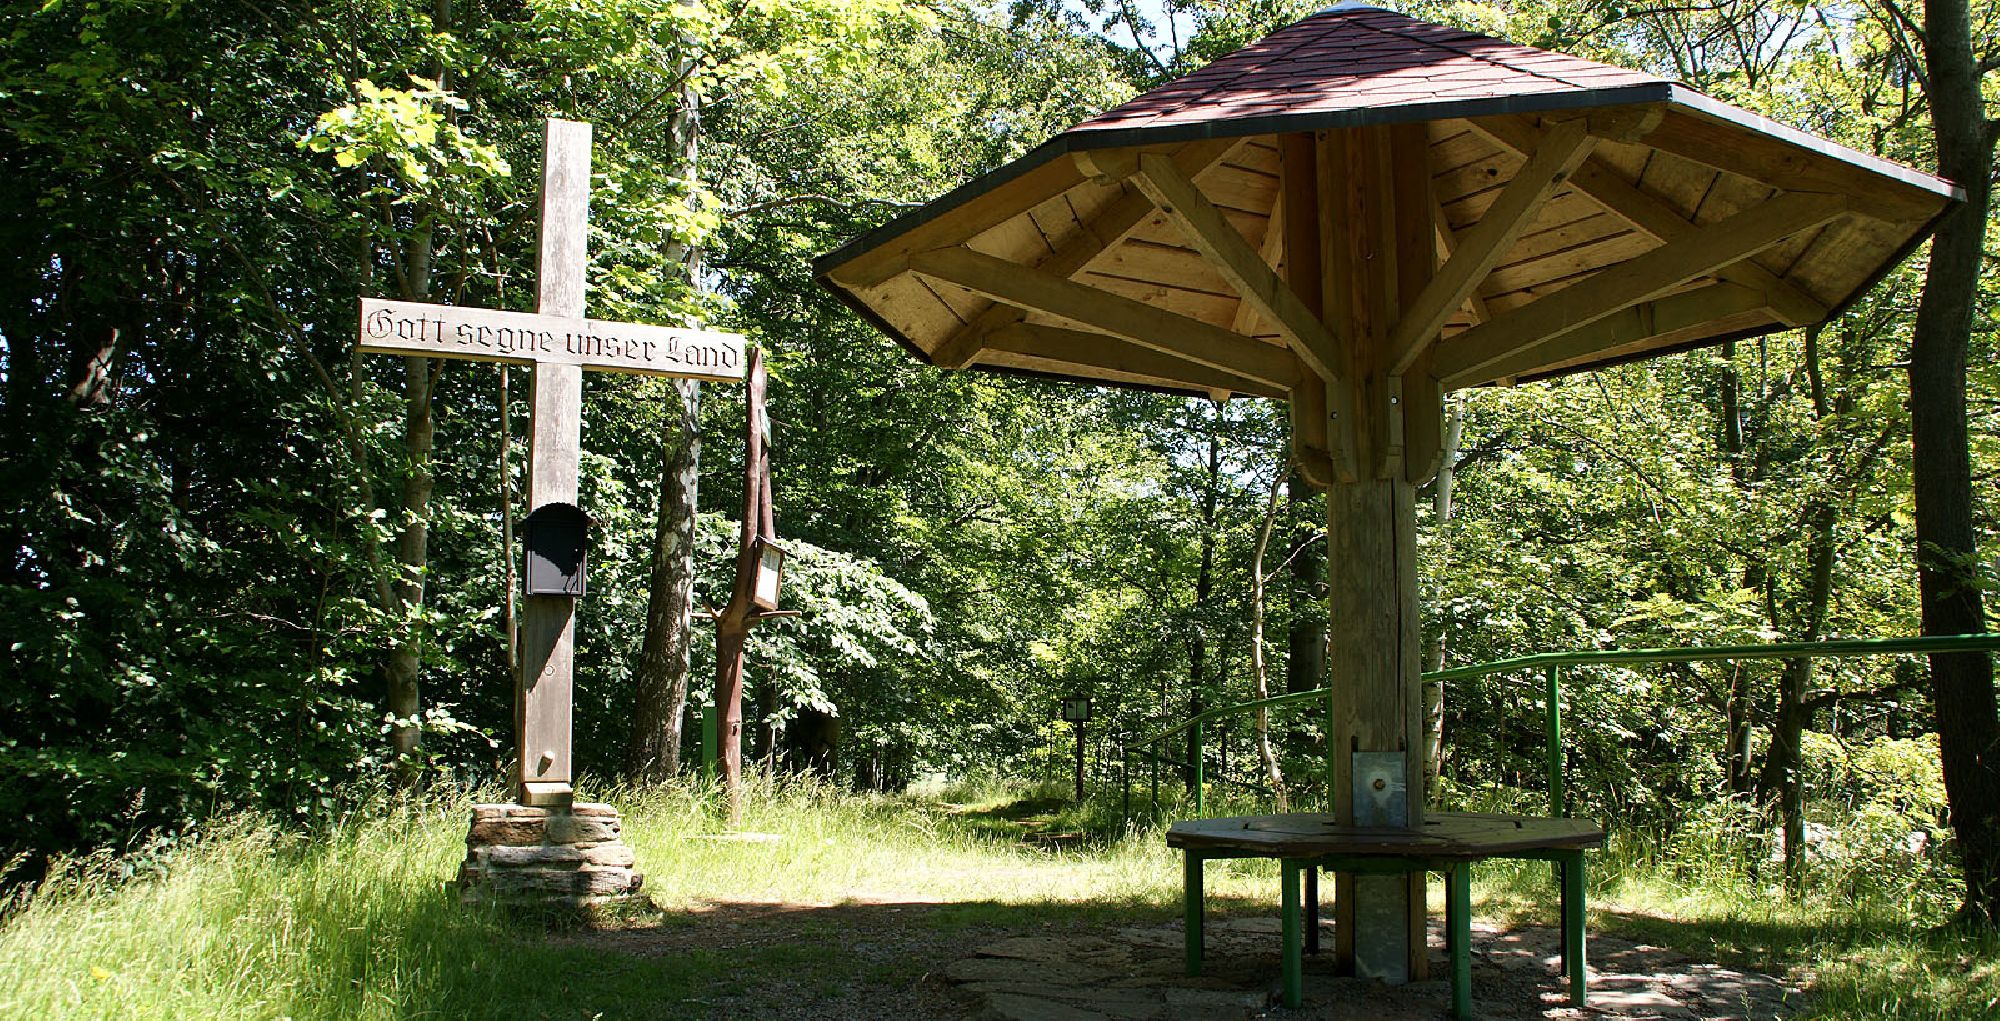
[(1381, 799), (1381, 790)]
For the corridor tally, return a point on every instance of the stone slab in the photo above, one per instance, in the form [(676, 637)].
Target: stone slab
[(571, 829), (519, 853), (507, 832), (1006, 969), (1016, 1007), (540, 855)]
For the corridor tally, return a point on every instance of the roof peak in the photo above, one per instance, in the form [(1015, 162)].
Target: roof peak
[(1359, 56)]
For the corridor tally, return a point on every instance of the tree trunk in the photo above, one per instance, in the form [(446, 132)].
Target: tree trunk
[(412, 558), (1968, 719), (1260, 673), (1305, 666), (1794, 715), (1204, 587), (1434, 639), (1784, 761), (660, 690), (94, 361), (510, 616), (1738, 703), (654, 750), (732, 628), (1736, 727)]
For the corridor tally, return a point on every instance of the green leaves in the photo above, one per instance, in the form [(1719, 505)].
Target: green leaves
[(408, 132)]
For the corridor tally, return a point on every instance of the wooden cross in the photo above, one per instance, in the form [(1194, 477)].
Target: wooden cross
[(560, 343)]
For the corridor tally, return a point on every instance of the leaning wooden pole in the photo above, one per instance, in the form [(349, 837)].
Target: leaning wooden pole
[(734, 623)]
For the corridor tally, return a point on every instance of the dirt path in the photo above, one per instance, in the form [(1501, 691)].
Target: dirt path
[(1133, 973), (909, 960)]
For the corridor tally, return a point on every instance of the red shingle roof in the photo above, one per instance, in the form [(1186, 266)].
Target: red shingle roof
[(1355, 57)]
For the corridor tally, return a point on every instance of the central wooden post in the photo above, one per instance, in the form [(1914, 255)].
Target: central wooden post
[(1373, 241), (548, 623)]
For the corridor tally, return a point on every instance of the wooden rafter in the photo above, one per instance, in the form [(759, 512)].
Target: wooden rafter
[(1658, 272), (976, 215), (1253, 279), (1666, 315), (1481, 247), (1107, 229), (1095, 351), (1655, 216), (1093, 309), (1447, 243), (1272, 252)]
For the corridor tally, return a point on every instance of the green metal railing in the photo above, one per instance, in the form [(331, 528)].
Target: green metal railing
[(1551, 665)]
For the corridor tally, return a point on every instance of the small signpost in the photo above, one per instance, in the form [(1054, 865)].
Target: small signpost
[(1076, 710), (560, 343)]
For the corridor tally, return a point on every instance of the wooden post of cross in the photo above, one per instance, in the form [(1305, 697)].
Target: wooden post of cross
[(560, 343)]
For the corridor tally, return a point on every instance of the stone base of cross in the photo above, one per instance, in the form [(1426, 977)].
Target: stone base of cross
[(560, 343)]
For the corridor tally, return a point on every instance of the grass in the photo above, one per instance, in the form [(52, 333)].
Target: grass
[(357, 922), (1868, 941), (250, 922)]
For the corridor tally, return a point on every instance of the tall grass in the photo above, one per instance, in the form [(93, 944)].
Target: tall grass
[(253, 921), (247, 922), (358, 922)]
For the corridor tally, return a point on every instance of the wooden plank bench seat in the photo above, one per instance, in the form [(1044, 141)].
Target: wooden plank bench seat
[(1449, 843)]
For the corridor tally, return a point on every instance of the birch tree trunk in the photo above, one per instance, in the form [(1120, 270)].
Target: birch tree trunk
[(1204, 587), (653, 749), (1441, 492), (420, 375), (1260, 674)]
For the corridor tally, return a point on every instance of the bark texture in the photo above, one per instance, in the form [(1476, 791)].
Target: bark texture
[(1968, 719), (1260, 672), (1305, 667), (412, 560), (654, 748)]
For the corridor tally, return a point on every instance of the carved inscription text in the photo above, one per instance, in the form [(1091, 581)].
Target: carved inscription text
[(452, 331)]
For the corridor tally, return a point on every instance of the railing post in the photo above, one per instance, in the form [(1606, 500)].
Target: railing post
[(1125, 782), (1195, 750), (711, 744), (1553, 703), (1154, 755)]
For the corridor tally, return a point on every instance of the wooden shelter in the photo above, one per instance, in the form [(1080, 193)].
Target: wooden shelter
[(1358, 214)]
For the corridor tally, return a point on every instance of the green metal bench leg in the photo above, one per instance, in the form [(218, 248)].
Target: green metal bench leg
[(1560, 870), (1191, 862), (1458, 937), (1573, 906), (1312, 909), (1288, 923)]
